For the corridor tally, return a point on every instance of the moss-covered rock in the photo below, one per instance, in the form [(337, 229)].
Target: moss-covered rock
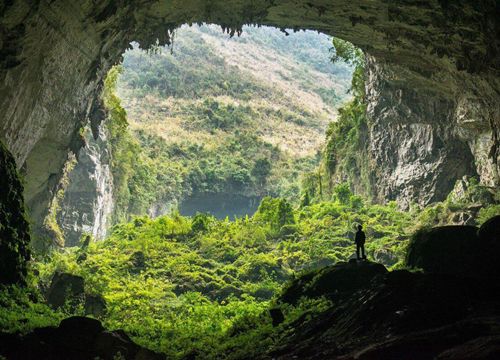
[(14, 228), (66, 289)]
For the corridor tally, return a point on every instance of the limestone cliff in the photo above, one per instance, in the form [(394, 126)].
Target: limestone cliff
[(414, 144), (88, 200)]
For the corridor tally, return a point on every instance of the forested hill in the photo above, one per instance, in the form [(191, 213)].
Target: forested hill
[(241, 117)]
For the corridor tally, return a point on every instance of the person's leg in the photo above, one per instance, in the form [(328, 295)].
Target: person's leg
[(357, 251), (363, 251)]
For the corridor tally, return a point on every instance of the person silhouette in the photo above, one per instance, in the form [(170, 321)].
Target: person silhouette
[(360, 243)]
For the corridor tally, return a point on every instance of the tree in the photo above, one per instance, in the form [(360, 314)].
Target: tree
[(347, 52), (342, 193), (306, 200), (261, 170), (276, 212)]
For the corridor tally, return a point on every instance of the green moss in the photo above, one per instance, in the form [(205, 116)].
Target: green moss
[(23, 309), (346, 152)]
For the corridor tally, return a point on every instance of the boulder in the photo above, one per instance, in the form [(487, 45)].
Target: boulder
[(95, 305), (65, 288), (263, 293), (81, 325), (110, 344), (385, 256), (463, 218), (79, 332), (276, 316), (490, 231), (76, 338), (332, 281), (137, 262), (456, 250)]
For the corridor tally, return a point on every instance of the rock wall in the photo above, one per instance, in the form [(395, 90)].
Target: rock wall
[(14, 227), (55, 55), (421, 142), (88, 200), (416, 154)]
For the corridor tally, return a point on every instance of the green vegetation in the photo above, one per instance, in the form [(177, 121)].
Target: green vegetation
[(22, 309), (469, 202), (54, 234), (345, 154), (201, 287), (179, 284)]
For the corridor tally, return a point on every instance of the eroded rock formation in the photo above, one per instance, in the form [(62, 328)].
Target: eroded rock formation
[(88, 200), (439, 60), (448, 311), (414, 141)]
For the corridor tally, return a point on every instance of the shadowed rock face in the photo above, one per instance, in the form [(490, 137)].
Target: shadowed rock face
[(458, 250), (14, 228), (414, 141), (75, 338), (433, 86)]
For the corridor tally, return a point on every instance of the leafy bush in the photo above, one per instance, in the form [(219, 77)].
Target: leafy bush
[(342, 193)]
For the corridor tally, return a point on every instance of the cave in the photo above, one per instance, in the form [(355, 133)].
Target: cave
[(432, 89)]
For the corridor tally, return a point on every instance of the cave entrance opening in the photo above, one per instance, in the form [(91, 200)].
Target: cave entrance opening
[(211, 124)]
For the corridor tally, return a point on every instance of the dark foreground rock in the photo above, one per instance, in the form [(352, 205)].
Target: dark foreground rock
[(391, 315), (332, 280), (75, 338), (490, 230), (457, 250)]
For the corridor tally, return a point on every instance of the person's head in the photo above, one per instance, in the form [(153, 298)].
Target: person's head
[(360, 227)]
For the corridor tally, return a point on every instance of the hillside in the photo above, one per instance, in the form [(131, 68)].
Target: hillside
[(231, 119)]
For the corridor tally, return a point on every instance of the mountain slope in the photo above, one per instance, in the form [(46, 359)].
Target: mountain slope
[(237, 117)]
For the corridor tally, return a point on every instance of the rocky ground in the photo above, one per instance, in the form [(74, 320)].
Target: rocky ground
[(450, 310)]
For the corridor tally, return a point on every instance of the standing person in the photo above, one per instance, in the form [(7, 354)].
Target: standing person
[(360, 243)]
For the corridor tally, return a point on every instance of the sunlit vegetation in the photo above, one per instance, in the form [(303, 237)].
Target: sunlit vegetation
[(476, 203), (201, 287), (180, 284), (190, 286), (345, 152)]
